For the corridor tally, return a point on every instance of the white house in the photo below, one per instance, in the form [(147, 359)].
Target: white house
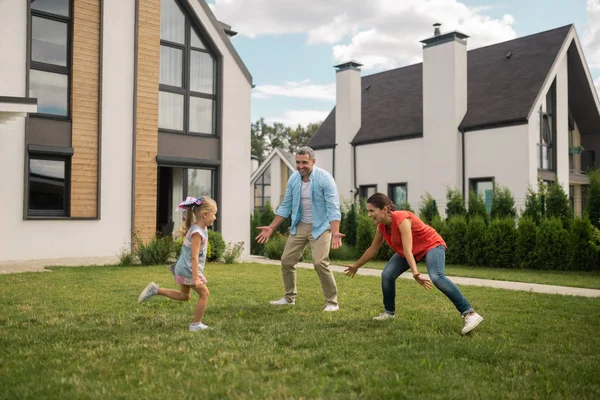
[(268, 181), (139, 103), (507, 114)]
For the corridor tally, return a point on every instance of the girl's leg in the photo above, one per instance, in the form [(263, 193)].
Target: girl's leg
[(393, 269), (203, 295), (436, 264), (183, 294)]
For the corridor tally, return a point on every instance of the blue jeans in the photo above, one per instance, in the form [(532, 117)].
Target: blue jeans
[(436, 262)]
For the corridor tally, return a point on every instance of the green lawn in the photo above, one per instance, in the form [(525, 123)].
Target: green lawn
[(79, 333), (590, 280)]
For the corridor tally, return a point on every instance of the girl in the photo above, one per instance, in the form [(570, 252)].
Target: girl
[(412, 240), (201, 213)]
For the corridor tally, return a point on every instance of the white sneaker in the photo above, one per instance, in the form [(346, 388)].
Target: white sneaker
[(331, 307), (383, 316), (283, 302), (149, 291), (471, 322), (198, 326)]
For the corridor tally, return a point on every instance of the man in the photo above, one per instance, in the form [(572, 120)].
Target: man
[(312, 199)]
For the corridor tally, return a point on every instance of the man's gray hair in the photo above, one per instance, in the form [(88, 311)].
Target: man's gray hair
[(306, 150)]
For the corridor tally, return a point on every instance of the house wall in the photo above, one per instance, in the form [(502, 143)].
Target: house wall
[(42, 239), (234, 207), (501, 153), (275, 181), (325, 159), (392, 162)]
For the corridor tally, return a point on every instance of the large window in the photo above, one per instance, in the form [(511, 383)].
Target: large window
[(262, 189), (547, 131), (48, 185), (49, 73), (484, 187), (398, 193), (187, 97), (199, 182), (366, 191)]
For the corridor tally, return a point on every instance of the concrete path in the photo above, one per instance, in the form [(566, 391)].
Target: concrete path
[(38, 266)]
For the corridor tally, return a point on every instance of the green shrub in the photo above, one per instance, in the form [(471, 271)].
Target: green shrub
[(501, 239), (365, 232), (406, 207), (428, 211), (126, 258), (592, 209), (477, 206), (275, 246), (255, 221), (178, 243), (475, 243), (438, 224), (503, 203), (552, 245), (233, 252), (158, 251), (582, 255), (348, 225), (558, 205), (526, 243), (456, 231), (455, 204), (306, 255), (344, 253), (217, 246), (533, 206), (385, 252)]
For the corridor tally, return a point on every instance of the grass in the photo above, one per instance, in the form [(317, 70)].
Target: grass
[(590, 280), (79, 333)]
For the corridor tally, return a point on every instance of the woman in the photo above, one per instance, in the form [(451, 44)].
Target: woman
[(412, 240)]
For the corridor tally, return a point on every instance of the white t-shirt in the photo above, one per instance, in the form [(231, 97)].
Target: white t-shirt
[(306, 203)]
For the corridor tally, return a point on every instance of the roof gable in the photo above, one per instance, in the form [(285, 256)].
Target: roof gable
[(285, 156)]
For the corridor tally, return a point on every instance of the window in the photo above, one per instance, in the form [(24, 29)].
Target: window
[(547, 131), (484, 187), (366, 191), (48, 185), (262, 189), (49, 73), (199, 182), (187, 98), (398, 193)]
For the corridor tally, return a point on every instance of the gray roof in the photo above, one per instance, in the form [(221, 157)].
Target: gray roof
[(501, 91)]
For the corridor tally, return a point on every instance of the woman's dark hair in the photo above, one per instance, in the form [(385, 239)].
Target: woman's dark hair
[(380, 200)]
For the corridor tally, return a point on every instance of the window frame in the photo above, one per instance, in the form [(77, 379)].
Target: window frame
[(363, 191), (548, 121), (260, 183), (391, 187), (51, 68), (51, 156), (473, 182), (185, 89)]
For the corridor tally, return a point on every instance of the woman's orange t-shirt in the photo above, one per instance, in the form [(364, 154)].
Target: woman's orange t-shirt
[(425, 237)]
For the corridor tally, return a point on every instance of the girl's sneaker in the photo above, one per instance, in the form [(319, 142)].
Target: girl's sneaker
[(149, 291), (383, 316), (198, 326)]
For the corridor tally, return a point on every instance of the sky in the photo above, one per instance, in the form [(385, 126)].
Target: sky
[(291, 46)]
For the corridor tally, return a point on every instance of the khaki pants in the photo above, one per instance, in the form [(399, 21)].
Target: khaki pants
[(294, 248)]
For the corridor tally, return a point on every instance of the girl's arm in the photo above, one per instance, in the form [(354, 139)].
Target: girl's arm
[(367, 255), (405, 229), (195, 250)]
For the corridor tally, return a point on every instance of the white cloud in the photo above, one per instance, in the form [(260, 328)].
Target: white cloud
[(591, 35), (303, 117), (302, 90), (379, 34)]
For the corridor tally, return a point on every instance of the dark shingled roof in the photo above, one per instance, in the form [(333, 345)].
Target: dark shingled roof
[(501, 90)]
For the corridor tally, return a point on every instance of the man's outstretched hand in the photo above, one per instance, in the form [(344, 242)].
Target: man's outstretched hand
[(336, 240), (264, 235)]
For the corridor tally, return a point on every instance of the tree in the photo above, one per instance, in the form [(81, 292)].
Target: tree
[(301, 136), (258, 142), (593, 205), (265, 137), (455, 205)]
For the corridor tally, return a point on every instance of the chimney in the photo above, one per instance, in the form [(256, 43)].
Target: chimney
[(444, 107), (348, 110)]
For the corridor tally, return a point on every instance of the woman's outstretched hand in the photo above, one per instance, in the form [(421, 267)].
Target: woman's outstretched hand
[(350, 270), (426, 283)]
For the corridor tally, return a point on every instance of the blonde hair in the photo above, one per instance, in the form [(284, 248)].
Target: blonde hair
[(192, 213)]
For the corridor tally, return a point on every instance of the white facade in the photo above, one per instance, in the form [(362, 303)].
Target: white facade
[(278, 167)]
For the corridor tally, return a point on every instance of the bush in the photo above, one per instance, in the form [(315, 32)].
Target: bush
[(385, 252), (344, 253), (255, 221), (475, 241), (126, 258), (533, 206), (438, 224), (233, 252), (582, 255), (178, 243), (477, 206), (456, 231), (275, 246), (503, 203), (428, 210), (158, 251), (365, 232), (217, 246), (348, 225), (501, 240), (551, 245), (307, 255), (526, 243), (558, 205), (593, 205), (455, 204), (406, 207)]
